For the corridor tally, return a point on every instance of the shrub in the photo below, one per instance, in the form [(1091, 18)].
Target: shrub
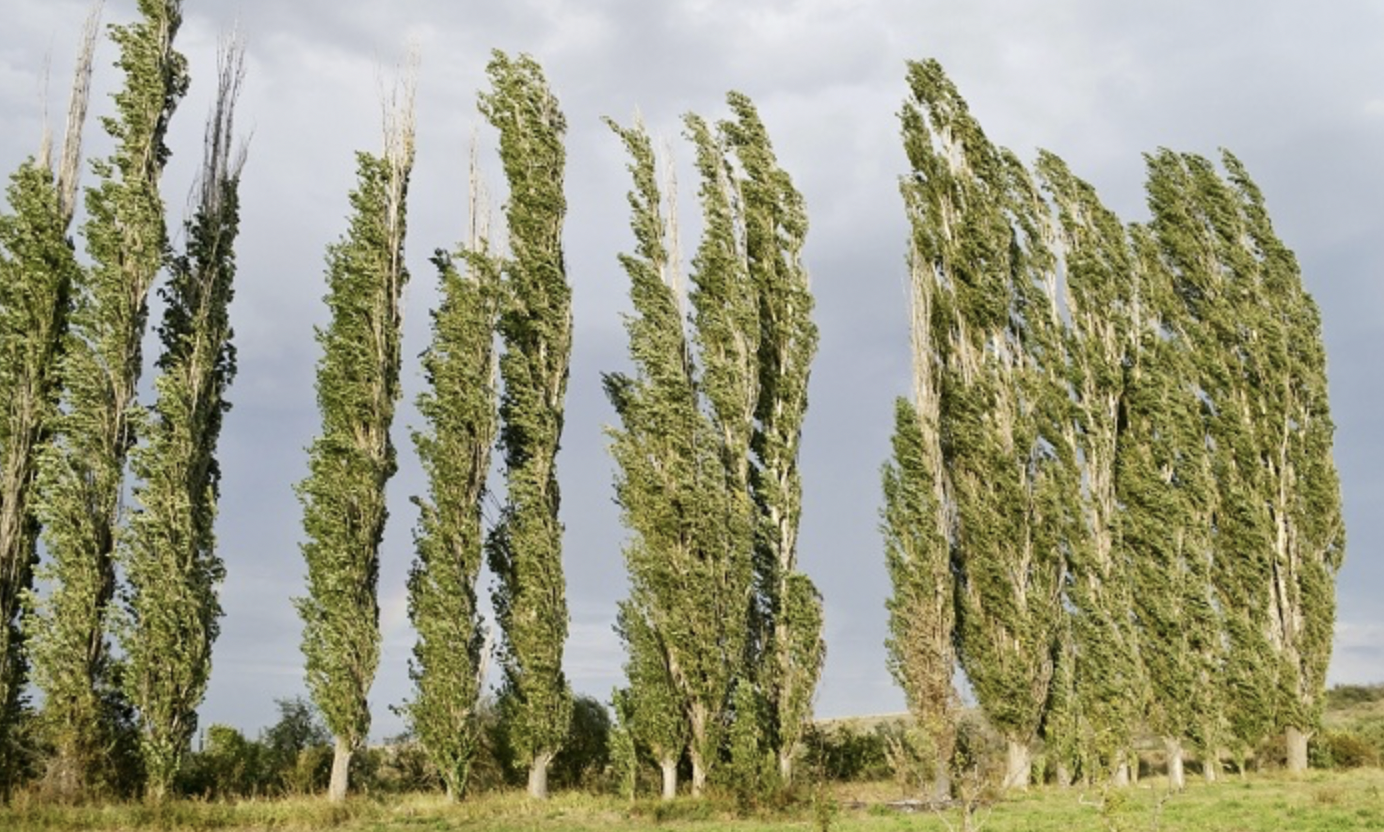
[(1343, 749)]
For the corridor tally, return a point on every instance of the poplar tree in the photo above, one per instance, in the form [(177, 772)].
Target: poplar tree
[(1279, 534), (663, 451), (725, 323), (37, 270), (448, 666), (1303, 487), (788, 612), (353, 458), (81, 470), (1164, 485), (169, 551), (525, 548), (1197, 222), (978, 226), (922, 616), (1101, 294)]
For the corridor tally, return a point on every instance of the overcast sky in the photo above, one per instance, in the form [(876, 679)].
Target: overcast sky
[(1295, 90)]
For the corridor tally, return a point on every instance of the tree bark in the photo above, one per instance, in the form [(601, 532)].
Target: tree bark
[(785, 765), (1120, 778), (341, 770), (942, 783), (538, 775), (1018, 766), (1063, 776), (1296, 740), (1177, 777), (698, 774), (670, 778)]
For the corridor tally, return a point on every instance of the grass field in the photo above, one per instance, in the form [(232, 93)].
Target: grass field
[(1319, 802)]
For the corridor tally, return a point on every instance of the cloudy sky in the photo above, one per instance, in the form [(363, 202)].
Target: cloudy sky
[(1295, 90)]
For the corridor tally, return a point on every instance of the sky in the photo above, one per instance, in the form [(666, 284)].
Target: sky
[(1295, 90)]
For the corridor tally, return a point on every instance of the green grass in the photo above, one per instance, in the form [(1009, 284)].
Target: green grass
[(1319, 802)]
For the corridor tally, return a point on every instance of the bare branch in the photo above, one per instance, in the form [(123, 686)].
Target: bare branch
[(69, 168)]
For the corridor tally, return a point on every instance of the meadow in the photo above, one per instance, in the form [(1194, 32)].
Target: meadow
[(1318, 802)]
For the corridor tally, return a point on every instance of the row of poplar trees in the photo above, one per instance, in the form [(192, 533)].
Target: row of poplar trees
[(1112, 501), (74, 437), (721, 628), (522, 299)]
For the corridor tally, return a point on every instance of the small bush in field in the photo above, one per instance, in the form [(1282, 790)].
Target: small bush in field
[(1343, 749)]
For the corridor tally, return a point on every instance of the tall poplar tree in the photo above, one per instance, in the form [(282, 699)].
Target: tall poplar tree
[(525, 548), (788, 620), (37, 269), (169, 551), (978, 226), (1196, 219), (1164, 485), (725, 321), (1279, 534), (1101, 294), (671, 634), (81, 471), (350, 462), (448, 666), (1303, 487)]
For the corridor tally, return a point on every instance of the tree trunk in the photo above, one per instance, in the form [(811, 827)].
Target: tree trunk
[(698, 775), (785, 765), (942, 783), (670, 777), (1063, 775), (1018, 766), (1296, 740), (1177, 777), (1120, 778), (538, 775), (341, 770)]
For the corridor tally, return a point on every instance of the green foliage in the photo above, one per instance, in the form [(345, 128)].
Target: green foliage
[(525, 548), (1101, 342), (993, 327), (81, 471), (922, 616), (586, 751), (37, 270), (460, 408), (169, 553), (1340, 697), (710, 426), (349, 463), (786, 622), (843, 754)]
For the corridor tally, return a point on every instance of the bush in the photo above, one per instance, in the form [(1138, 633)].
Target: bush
[(585, 754), (843, 754), (1345, 696), (1343, 749)]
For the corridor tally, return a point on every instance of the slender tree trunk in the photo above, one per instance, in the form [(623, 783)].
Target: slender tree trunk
[(942, 783), (670, 777), (1177, 777), (1297, 750), (1120, 777), (538, 775), (1018, 765), (341, 771), (1063, 776), (698, 774), (785, 765)]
